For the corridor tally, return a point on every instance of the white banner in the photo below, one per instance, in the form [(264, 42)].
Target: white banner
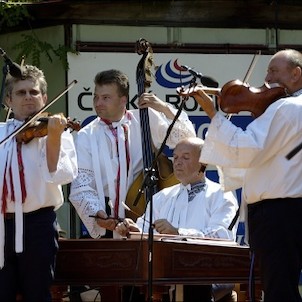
[(223, 68)]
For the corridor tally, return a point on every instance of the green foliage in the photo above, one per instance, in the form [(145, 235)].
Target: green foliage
[(31, 47), (12, 13)]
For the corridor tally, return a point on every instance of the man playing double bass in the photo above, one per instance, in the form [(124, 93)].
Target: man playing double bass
[(109, 150)]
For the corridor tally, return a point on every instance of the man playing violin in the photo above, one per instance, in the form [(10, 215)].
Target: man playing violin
[(31, 176), (271, 187)]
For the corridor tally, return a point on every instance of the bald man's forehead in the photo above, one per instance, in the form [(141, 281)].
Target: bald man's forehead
[(187, 148)]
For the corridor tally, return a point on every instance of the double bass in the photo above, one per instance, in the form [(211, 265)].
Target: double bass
[(157, 169)]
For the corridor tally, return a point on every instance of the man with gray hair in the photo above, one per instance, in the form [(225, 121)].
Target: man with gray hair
[(271, 187), (195, 207), (31, 177)]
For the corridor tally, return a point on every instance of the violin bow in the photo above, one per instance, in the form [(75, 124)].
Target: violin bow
[(249, 72), (252, 66), (14, 133)]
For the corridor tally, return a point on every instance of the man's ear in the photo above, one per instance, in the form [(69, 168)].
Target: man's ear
[(202, 168), (45, 99), (124, 100), (296, 74), (8, 101)]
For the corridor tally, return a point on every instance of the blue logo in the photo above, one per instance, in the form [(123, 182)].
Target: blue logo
[(172, 75)]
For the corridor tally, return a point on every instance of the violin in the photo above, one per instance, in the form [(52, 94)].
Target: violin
[(236, 96), (38, 128)]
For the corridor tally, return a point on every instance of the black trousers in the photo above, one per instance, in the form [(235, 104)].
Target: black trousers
[(30, 273), (275, 236)]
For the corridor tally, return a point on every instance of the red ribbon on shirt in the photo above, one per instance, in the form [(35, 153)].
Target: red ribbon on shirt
[(117, 187), (22, 180)]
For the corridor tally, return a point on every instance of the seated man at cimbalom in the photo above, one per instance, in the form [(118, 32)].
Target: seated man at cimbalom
[(196, 207)]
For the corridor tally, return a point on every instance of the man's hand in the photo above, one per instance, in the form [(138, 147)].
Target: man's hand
[(151, 100), (162, 226), (202, 98), (106, 222), (128, 225), (55, 127)]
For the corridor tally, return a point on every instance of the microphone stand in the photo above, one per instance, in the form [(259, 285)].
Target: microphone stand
[(148, 184), (151, 180)]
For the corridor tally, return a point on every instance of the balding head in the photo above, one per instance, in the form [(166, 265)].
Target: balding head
[(195, 143), (187, 168), (285, 68)]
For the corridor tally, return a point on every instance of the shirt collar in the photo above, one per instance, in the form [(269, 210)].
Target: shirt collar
[(190, 187), (124, 120)]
